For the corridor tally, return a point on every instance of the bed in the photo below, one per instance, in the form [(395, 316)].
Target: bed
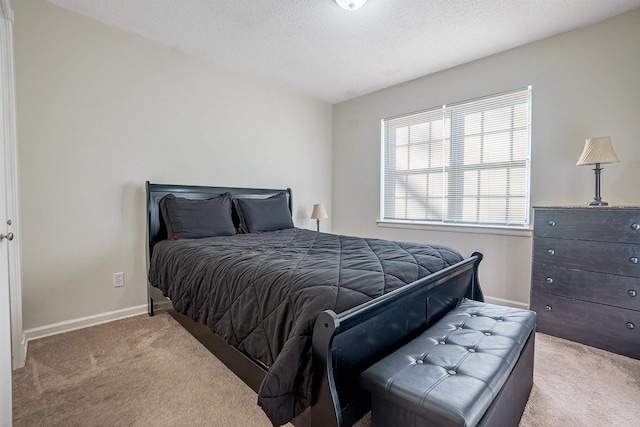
[(296, 314)]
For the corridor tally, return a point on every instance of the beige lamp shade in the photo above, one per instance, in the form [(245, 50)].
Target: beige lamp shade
[(598, 150), (319, 212)]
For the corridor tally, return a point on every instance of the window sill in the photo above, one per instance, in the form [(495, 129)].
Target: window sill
[(458, 228)]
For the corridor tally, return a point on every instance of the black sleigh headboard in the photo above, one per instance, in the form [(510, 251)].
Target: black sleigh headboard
[(157, 230)]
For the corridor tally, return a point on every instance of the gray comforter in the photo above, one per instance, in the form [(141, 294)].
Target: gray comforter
[(262, 292)]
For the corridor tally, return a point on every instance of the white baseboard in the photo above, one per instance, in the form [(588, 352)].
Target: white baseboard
[(84, 322), (507, 302)]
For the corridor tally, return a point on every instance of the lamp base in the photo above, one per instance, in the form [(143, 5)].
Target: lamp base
[(597, 200)]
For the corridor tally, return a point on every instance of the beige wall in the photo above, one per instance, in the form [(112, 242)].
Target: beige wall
[(585, 83), (99, 112)]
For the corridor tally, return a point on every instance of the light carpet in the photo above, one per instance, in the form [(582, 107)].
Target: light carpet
[(145, 371)]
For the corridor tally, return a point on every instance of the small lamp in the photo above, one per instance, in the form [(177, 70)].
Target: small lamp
[(319, 212), (596, 151)]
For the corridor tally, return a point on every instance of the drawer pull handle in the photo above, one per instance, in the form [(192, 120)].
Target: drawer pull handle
[(548, 280), (548, 307), (630, 325), (552, 252), (553, 224), (635, 226), (634, 260), (632, 292)]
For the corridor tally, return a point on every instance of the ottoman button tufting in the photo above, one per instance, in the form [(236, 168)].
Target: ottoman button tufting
[(491, 390)]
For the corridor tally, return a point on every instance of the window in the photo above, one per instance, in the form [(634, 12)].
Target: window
[(466, 163)]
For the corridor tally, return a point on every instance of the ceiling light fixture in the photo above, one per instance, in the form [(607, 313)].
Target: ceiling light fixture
[(351, 4)]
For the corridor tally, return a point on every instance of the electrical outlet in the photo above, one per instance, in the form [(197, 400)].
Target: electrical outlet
[(118, 280)]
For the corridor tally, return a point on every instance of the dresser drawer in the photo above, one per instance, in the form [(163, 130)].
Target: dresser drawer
[(601, 224), (605, 257), (619, 291), (598, 325)]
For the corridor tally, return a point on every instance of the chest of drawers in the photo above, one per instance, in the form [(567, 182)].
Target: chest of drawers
[(586, 276)]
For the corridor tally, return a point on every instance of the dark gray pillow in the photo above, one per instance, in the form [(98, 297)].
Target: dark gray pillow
[(194, 219), (264, 214)]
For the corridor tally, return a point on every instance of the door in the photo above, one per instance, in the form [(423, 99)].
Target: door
[(5, 326), (12, 347)]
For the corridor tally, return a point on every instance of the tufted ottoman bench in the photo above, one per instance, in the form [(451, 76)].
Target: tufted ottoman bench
[(473, 367)]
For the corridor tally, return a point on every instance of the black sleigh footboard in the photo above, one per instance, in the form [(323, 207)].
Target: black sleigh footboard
[(345, 345)]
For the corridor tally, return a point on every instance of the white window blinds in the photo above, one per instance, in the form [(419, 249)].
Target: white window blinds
[(466, 163)]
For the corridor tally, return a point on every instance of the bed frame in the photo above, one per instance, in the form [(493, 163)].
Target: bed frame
[(344, 344)]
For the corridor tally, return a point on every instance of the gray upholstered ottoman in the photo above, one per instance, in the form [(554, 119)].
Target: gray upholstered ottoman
[(473, 367)]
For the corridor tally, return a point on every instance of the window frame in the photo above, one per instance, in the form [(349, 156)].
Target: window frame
[(449, 135)]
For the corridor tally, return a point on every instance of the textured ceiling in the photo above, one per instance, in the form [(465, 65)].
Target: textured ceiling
[(317, 48)]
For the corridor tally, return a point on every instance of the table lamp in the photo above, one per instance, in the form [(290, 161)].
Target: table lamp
[(319, 212), (596, 151)]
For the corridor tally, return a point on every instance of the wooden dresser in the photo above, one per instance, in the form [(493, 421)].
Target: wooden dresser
[(586, 276)]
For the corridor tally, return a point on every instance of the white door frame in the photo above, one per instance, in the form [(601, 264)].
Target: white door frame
[(7, 180), (9, 143)]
